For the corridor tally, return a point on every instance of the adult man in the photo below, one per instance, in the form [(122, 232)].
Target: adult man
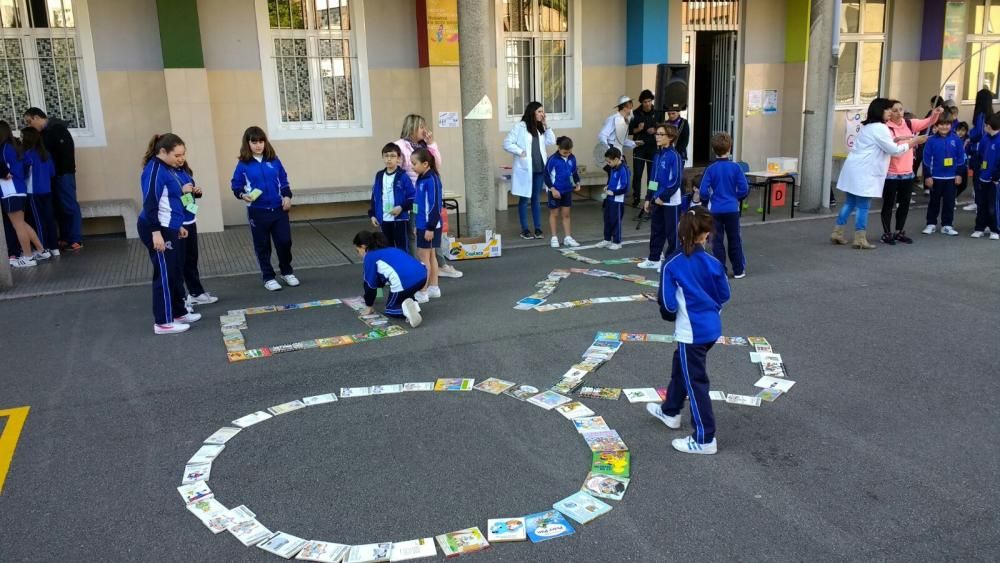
[(643, 126), (59, 143), (683, 131)]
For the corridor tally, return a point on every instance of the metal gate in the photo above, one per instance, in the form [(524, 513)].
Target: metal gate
[(723, 83)]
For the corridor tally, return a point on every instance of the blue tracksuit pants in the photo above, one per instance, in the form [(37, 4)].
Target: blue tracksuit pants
[(689, 378), (662, 230), (168, 275), (397, 233), (727, 232), (613, 212), (987, 205), (266, 225)]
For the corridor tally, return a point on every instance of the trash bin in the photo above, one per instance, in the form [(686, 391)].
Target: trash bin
[(503, 186)]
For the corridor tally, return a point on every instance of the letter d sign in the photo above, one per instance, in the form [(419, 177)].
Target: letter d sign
[(778, 195)]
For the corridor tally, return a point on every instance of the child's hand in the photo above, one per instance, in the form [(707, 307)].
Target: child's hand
[(246, 198), (929, 182), (660, 201), (159, 244), (577, 188), (958, 180), (555, 193), (396, 211), (374, 222), (187, 188), (428, 236), (286, 203), (609, 193), (182, 233), (645, 206)]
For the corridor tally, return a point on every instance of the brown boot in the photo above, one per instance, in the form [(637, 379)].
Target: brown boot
[(838, 235), (861, 241)]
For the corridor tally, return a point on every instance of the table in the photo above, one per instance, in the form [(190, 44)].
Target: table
[(771, 178), (450, 202)]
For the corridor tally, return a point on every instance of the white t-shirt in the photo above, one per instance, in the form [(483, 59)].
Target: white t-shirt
[(388, 201)]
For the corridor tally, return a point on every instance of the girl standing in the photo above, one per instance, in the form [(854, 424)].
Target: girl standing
[(196, 294), (428, 204), (387, 265), (527, 141), (42, 171), (663, 197), (14, 197), (261, 181)]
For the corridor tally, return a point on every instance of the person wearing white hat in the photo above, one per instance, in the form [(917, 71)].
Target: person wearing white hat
[(615, 131)]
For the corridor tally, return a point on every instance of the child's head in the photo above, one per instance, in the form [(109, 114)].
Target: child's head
[(613, 157), (391, 155), (31, 139), (565, 145), (943, 126), (6, 133), (168, 147), (646, 100), (722, 143), (369, 240), (693, 229), (961, 129), (422, 160), (993, 124), (665, 135), (255, 143)]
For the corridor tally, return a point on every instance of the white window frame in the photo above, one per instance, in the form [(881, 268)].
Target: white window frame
[(987, 40), (361, 126), (574, 70), (860, 39), (93, 135)]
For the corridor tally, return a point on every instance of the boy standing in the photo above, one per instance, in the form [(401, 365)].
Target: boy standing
[(723, 186), (561, 180), (943, 154), (392, 199), (986, 201), (614, 202)]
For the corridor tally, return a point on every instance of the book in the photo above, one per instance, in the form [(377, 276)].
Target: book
[(781, 384), (320, 399), (758, 357), (453, 384), (605, 486), (582, 507), (413, 549), (772, 369), (460, 542), (769, 395), (608, 393), (574, 410), (282, 544), (590, 424), (548, 400), (757, 340), (743, 400), (566, 386), (385, 389), (737, 341), (369, 553), (196, 472), (254, 194), (209, 511), (604, 441), (548, 525), (222, 435), (251, 419), (717, 395), (324, 552), (206, 454), (522, 392), (642, 395), (346, 392), (286, 407), (494, 386), (195, 492), (421, 386), (506, 529), (249, 531), (617, 464)]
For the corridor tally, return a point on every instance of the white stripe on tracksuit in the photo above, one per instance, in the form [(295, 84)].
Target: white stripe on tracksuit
[(699, 428)]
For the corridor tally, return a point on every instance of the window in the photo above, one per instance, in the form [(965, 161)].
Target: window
[(42, 64), (536, 55), (981, 49), (862, 51), (314, 68)]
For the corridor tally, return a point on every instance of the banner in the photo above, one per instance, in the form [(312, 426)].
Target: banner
[(442, 32), (853, 128), (778, 192)]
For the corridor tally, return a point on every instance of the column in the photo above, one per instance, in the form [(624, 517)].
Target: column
[(6, 280), (817, 153), (475, 27), (649, 39)]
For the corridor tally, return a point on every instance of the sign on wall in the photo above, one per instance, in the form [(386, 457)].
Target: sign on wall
[(853, 129), (442, 32), (954, 30)]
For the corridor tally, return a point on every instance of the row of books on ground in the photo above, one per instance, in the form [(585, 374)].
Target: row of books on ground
[(545, 288)]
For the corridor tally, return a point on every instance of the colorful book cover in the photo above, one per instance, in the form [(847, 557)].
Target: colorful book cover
[(195, 491), (757, 340), (769, 395), (369, 553), (453, 384), (662, 338), (610, 336), (222, 435), (249, 531), (282, 544), (743, 400), (607, 393), (211, 513), (460, 542), (506, 529), (196, 472), (258, 353), (772, 369), (642, 395), (547, 525), (574, 409), (566, 386), (549, 400), (605, 486), (323, 552), (617, 464), (582, 507), (604, 441), (634, 337), (779, 383), (285, 408), (494, 386), (738, 341), (522, 392), (590, 424)]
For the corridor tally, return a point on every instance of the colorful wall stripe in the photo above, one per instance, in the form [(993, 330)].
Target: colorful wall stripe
[(180, 35), (796, 31), (932, 33), (646, 31)]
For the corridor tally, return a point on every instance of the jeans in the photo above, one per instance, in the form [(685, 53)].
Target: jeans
[(537, 181), (861, 203), (67, 208)]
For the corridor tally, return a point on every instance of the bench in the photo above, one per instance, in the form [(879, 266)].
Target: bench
[(127, 209), (342, 194)]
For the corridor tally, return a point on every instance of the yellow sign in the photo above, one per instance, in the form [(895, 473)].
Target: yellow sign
[(8, 438), (442, 32)]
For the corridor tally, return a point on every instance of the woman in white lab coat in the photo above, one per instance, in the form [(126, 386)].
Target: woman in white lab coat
[(527, 142), (864, 172)]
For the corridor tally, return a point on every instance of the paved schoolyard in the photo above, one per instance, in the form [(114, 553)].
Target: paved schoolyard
[(883, 450)]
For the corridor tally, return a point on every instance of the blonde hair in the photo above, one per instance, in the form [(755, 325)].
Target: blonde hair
[(411, 123)]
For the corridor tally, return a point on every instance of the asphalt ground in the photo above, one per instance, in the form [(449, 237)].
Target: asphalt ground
[(885, 449)]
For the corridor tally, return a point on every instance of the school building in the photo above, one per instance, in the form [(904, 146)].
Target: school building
[(331, 80)]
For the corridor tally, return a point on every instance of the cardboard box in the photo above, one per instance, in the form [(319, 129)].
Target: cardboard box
[(473, 248), (782, 165)]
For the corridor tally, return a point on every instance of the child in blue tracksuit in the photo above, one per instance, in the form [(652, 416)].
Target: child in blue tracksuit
[(392, 199), (427, 208), (943, 154), (261, 181), (561, 180), (41, 171), (663, 197), (693, 288), (723, 186), (614, 202), (987, 202), (387, 265), (196, 294), (14, 200), (161, 229), (961, 131)]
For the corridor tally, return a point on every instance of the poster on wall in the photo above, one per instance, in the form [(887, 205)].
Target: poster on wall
[(770, 102), (950, 91), (442, 32), (853, 129), (755, 102), (954, 30)]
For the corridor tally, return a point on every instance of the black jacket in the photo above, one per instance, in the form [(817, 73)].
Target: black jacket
[(649, 120), (59, 142)]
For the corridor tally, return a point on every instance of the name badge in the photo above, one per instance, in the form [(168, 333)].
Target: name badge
[(948, 162), (983, 166)]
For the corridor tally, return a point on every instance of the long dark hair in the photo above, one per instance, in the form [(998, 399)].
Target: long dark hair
[(984, 104), (158, 142), (694, 223), (535, 127), (254, 133), (424, 155), (31, 139), (7, 136), (876, 111), (371, 240)]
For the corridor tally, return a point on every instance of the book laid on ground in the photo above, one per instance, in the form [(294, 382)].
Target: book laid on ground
[(346, 392), (413, 549), (195, 492), (604, 441), (453, 384), (773, 369), (222, 435), (574, 410), (196, 472), (582, 507), (743, 400), (506, 529), (324, 552), (206, 454), (460, 542), (249, 531), (320, 399), (547, 525), (642, 395), (768, 395), (779, 383), (522, 392), (251, 419), (369, 553), (549, 400), (494, 386), (286, 407), (717, 395), (758, 357), (605, 486), (419, 386), (617, 464), (282, 544), (385, 389), (590, 424), (608, 393), (208, 510)]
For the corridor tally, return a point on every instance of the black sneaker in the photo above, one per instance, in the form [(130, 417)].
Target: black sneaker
[(901, 237), (539, 233), (526, 235), (888, 239)]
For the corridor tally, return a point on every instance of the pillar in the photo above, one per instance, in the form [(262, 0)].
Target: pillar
[(6, 280), (474, 28), (817, 152), (646, 43)]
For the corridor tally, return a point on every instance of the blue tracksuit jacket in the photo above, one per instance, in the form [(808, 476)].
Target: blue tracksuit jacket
[(561, 173), (666, 172), (269, 176), (723, 186), (393, 267), (403, 194), (40, 173), (619, 182), (694, 288), (161, 197), (943, 156), (428, 201)]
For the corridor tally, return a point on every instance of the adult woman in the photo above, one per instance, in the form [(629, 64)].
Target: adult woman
[(865, 170), (527, 141), (980, 115), (899, 181), (415, 135)]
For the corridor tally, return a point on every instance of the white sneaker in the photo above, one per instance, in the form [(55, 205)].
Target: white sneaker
[(929, 230), (170, 328), (272, 285), (977, 234), (614, 246), (412, 312), (421, 297), (23, 262), (994, 236), (671, 421), (291, 280), (570, 241), (740, 276), (11, 260), (449, 271), (554, 242), (54, 252), (433, 291), (188, 318), (43, 255), (948, 230), (970, 207), (649, 265), (203, 299), (603, 244), (690, 446)]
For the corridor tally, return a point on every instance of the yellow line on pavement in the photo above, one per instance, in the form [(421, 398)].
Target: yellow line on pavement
[(8, 439)]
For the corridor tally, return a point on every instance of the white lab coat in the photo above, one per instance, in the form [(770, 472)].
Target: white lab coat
[(518, 141), (614, 133), (867, 165)]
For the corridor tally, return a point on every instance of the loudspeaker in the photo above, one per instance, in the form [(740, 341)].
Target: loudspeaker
[(672, 87)]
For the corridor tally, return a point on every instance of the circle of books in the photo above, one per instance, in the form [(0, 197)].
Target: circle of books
[(608, 478)]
